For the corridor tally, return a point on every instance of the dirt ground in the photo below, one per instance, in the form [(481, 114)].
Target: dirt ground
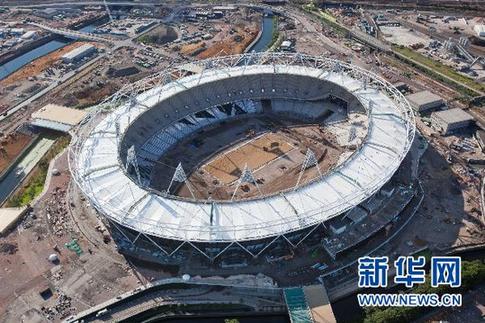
[(254, 153), (76, 282), (232, 44), (11, 146), (275, 158), (226, 42), (40, 64)]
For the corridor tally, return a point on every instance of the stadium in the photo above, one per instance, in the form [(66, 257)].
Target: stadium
[(241, 156)]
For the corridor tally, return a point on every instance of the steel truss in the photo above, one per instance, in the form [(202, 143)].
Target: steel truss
[(155, 246), (176, 77)]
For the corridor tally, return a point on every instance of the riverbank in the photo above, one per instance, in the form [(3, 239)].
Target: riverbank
[(264, 38), (14, 60), (12, 54), (39, 65), (33, 184)]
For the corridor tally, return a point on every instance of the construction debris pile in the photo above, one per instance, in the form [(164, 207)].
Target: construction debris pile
[(56, 212), (8, 248), (61, 309)]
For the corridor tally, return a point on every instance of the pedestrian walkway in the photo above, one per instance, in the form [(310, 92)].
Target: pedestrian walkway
[(297, 305)]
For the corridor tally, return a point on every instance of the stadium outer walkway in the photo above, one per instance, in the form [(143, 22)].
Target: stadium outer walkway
[(309, 304)]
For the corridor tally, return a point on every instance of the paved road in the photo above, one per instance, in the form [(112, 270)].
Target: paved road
[(52, 86), (24, 167), (72, 33), (117, 44)]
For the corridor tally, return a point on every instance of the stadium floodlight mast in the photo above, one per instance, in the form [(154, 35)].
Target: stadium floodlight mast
[(310, 160), (131, 160), (365, 82), (179, 176), (134, 102), (371, 105), (352, 134), (246, 177), (117, 131), (87, 157)]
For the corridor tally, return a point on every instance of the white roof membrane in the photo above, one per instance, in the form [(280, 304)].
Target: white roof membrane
[(100, 174)]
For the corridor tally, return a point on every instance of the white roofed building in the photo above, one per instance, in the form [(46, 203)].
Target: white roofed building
[(116, 148), (78, 53)]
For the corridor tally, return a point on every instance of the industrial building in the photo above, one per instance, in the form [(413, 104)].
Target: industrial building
[(425, 100), (57, 117), (480, 30), (78, 53), (31, 34), (448, 121), (480, 136)]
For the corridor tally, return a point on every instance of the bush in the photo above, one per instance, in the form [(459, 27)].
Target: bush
[(35, 181), (472, 274)]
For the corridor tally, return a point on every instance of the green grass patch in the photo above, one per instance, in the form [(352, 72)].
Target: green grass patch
[(327, 16), (35, 181), (439, 67), (327, 19), (426, 253), (275, 35)]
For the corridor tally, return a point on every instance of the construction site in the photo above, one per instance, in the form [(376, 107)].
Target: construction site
[(213, 210), (273, 148)]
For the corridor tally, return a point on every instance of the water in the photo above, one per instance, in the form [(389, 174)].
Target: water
[(88, 28), (266, 35), (24, 167), (17, 63)]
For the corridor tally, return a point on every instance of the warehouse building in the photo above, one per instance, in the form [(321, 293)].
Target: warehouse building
[(480, 30), (424, 101), (31, 34), (78, 53), (480, 136), (449, 121), (57, 117)]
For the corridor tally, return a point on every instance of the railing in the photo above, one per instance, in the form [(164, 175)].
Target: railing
[(164, 81)]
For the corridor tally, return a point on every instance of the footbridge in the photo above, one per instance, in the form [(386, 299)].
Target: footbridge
[(74, 34), (309, 304)]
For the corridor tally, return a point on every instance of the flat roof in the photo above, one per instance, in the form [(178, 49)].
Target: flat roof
[(8, 216), (453, 115), (77, 51), (224, 8), (319, 303), (59, 114), (286, 43), (192, 67), (423, 97)]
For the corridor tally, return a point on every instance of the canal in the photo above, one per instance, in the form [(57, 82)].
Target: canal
[(24, 59), (25, 165), (266, 35)]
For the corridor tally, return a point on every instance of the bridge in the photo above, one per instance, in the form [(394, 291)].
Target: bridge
[(309, 304), (74, 34), (369, 40)]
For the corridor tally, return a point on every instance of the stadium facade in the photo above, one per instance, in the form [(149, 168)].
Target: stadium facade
[(117, 146)]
